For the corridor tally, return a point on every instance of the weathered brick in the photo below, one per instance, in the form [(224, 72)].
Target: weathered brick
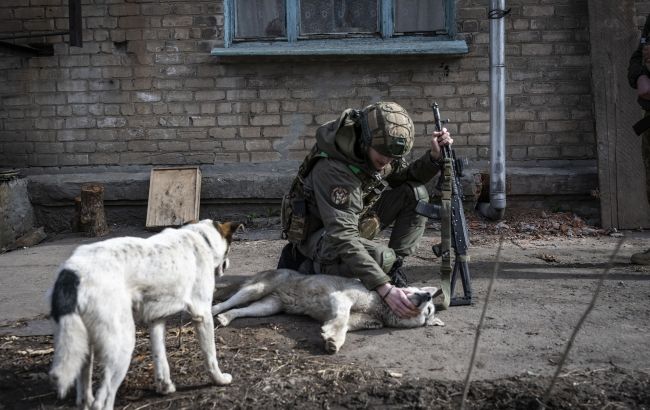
[(142, 146), (173, 146), (80, 122), (229, 120), (111, 122), (49, 147), (260, 120), (102, 158), (538, 11), (161, 134), (85, 73), (202, 121), (542, 152), (123, 9), (265, 156), (101, 22), (223, 132), (64, 110), (536, 49), (226, 158), (175, 96), (209, 95), (72, 85)]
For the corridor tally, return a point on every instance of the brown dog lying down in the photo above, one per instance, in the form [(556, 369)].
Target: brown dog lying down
[(343, 304)]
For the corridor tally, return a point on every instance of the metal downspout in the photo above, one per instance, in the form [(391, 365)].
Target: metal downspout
[(495, 209)]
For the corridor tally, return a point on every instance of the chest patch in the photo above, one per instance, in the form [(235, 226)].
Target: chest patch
[(340, 197)]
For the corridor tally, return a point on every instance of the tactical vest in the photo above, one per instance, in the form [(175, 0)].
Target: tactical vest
[(294, 213)]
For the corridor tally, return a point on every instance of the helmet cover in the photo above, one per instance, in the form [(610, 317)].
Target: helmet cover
[(391, 129)]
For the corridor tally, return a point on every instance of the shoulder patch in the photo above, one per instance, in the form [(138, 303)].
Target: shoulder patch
[(340, 197)]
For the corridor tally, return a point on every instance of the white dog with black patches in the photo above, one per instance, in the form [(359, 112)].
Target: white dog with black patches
[(104, 287), (343, 304)]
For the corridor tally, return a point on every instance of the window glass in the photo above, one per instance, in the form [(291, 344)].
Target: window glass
[(338, 16), (413, 16), (260, 18)]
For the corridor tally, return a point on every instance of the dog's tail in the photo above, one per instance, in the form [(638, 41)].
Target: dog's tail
[(71, 336)]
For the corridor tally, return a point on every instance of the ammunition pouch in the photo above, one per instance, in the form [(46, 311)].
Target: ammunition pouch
[(293, 215), (369, 226)]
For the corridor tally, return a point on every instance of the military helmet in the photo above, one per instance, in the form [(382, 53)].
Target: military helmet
[(390, 129)]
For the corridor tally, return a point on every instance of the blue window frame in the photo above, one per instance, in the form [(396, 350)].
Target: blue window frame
[(353, 27)]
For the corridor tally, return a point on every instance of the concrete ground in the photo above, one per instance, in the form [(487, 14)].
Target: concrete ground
[(542, 289)]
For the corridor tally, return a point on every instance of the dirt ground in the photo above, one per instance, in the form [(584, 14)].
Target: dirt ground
[(550, 265)]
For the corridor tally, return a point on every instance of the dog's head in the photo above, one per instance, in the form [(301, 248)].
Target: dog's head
[(423, 299), (226, 231), (218, 236)]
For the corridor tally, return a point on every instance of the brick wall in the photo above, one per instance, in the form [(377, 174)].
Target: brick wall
[(144, 90)]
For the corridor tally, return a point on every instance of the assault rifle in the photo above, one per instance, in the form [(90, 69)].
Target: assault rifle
[(453, 226)]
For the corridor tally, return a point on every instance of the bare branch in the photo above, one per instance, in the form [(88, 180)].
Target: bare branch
[(569, 344), (480, 325)]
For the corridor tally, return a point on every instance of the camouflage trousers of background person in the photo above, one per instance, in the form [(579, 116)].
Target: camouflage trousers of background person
[(643, 258), (645, 152)]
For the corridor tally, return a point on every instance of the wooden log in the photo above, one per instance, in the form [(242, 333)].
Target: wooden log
[(92, 218)]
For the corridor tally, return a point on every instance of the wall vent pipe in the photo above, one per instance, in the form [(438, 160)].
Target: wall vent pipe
[(495, 209)]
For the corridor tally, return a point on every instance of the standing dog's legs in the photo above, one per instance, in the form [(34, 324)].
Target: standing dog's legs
[(85, 384), (270, 305), (204, 326), (115, 353), (334, 330), (163, 380)]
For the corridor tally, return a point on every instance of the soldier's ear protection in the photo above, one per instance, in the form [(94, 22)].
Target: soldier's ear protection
[(360, 117)]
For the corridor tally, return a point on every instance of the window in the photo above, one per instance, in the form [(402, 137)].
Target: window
[(303, 25)]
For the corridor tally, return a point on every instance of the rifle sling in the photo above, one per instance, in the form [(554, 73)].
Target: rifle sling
[(445, 231)]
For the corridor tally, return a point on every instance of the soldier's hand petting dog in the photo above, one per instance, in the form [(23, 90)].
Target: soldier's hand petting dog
[(397, 299)]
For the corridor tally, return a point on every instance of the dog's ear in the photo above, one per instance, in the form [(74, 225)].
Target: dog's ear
[(227, 229)]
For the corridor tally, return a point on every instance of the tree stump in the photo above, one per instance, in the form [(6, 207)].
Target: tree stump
[(89, 211)]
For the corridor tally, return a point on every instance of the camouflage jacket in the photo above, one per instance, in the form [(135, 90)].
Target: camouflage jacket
[(338, 190)]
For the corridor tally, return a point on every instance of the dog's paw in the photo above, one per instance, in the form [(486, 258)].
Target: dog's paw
[(84, 404), (223, 320), (330, 346), (163, 387), (216, 309), (223, 379)]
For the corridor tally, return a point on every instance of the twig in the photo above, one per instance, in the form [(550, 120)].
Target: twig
[(480, 324), (569, 344), (38, 396), (155, 403), (180, 330), (517, 244)]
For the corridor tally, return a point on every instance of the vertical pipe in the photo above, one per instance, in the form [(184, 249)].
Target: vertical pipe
[(496, 207)]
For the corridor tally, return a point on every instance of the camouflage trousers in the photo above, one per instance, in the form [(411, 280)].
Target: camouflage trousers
[(395, 206), (645, 152)]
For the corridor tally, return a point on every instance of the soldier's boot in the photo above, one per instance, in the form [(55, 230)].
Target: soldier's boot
[(641, 258), (397, 275), (291, 258)]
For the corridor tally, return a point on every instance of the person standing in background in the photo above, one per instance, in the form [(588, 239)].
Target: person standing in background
[(639, 78)]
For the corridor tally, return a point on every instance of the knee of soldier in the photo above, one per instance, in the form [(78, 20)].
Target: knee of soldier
[(384, 256), (416, 192)]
